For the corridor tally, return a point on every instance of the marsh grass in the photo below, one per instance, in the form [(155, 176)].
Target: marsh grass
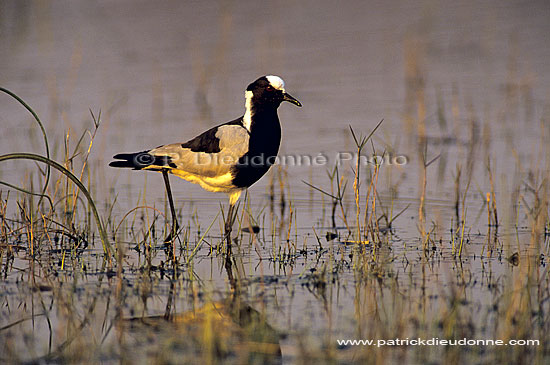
[(355, 273)]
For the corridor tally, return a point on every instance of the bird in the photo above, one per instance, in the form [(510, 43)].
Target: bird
[(229, 157)]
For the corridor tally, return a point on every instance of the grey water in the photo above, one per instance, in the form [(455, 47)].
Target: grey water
[(475, 75)]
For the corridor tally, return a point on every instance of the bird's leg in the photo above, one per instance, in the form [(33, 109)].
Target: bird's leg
[(172, 235), (229, 224)]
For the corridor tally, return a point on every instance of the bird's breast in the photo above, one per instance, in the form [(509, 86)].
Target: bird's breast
[(263, 146)]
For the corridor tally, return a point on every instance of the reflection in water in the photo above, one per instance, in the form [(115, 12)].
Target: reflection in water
[(226, 330), (461, 85)]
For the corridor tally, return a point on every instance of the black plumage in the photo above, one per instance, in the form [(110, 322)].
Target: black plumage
[(263, 147), (229, 157), (141, 160), (208, 142)]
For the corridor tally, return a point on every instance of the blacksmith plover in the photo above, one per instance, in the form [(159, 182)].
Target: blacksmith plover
[(227, 158)]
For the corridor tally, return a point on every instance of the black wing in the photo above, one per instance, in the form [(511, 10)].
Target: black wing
[(207, 142)]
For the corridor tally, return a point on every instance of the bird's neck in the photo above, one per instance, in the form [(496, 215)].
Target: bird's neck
[(256, 111), (265, 133)]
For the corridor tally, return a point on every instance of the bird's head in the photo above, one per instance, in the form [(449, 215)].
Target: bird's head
[(269, 91)]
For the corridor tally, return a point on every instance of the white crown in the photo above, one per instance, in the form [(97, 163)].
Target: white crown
[(276, 82)]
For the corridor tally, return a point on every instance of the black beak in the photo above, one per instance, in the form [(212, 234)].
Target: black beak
[(291, 99)]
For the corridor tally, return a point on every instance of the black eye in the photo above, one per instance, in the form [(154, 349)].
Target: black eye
[(269, 88)]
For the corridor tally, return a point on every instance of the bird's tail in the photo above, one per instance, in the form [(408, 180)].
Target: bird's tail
[(141, 160)]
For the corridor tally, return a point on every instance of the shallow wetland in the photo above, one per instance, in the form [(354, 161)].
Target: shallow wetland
[(444, 236)]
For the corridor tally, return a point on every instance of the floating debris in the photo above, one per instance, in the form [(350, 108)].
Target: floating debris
[(255, 229), (514, 259)]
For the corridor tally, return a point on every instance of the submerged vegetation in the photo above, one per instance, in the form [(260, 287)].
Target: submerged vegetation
[(476, 267)]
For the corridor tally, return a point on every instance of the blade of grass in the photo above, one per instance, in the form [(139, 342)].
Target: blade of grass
[(22, 102), (28, 192), (30, 156), (195, 250)]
